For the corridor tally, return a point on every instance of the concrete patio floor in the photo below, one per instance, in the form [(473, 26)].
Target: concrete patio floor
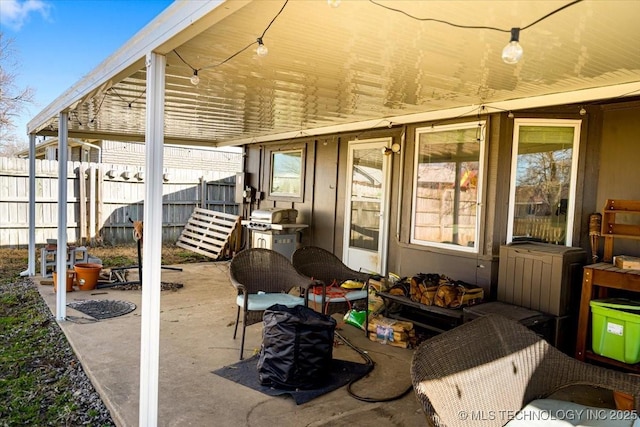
[(196, 338)]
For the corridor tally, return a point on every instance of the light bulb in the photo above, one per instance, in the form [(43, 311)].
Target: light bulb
[(195, 79), (512, 53), (333, 3), (583, 112), (511, 115), (262, 49)]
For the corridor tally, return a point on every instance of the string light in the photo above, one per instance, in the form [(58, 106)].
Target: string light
[(195, 79), (512, 52), (113, 90), (261, 50), (583, 111)]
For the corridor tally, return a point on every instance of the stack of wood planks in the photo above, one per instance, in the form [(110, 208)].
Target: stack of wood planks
[(392, 332), (211, 233)]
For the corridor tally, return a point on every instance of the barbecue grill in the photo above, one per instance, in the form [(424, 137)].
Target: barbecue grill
[(274, 228)]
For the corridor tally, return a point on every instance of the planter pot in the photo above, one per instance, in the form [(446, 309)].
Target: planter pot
[(70, 277), (87, 275)]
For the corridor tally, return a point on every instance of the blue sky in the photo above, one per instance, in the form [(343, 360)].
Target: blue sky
[(59, 41)]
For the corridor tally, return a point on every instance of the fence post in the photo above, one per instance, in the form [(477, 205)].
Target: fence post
[(82, 200), (99, 200), (93, 226), (203, 193)]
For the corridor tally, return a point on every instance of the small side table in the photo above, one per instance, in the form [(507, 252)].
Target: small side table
[(596, 280)]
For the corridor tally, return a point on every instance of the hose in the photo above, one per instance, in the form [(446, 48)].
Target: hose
[(370, 364)]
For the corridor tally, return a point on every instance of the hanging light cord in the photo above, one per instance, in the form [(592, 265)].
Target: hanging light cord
[(551, 13), (258, 40), (369, 363), (452, 24), (474, 27), (185, 62), (140, 95)]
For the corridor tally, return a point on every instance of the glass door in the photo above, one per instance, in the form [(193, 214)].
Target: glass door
[(367, 206)]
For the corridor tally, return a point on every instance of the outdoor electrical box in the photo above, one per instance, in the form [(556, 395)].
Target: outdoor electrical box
[(241, 179)]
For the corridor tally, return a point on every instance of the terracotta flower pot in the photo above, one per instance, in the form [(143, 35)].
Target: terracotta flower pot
[(70, 278), (87, 275)]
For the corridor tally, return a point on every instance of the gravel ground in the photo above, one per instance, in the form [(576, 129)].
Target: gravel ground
[(56, 360)]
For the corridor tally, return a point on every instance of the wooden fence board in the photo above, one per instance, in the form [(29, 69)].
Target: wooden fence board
[(115, 200)]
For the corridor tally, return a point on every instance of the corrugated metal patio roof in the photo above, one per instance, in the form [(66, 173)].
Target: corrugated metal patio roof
[(356, 66)]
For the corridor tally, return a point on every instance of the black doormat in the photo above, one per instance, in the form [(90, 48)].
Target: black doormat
[(103, 309), (245, 372)]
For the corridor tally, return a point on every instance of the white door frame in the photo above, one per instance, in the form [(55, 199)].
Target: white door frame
[(358, 258)]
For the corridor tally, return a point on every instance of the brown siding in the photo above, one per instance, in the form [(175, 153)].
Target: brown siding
[(619, 176), (609, 156), (325, 187)]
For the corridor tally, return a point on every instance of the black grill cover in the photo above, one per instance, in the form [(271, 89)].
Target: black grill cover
[(297, 347)]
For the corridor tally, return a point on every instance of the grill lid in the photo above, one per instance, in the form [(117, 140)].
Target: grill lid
[(275, 215)]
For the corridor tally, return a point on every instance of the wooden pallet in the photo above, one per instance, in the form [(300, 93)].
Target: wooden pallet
[(211, 233)]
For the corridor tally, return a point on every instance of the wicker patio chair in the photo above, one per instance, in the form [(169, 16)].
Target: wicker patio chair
[(494, 365), (262, 278), (320, 264)]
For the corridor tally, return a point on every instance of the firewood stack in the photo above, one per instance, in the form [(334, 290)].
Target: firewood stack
[(424, 287), (442, 291), (392, 332)]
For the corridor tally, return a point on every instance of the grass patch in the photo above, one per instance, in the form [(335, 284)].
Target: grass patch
[(29, 362), (37, 364)]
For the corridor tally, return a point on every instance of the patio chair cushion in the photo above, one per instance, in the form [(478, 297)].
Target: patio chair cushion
[(560, 413), (260, 302), (348, 295)]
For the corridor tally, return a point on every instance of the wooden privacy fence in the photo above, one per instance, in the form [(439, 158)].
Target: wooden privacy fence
[(102, 200)]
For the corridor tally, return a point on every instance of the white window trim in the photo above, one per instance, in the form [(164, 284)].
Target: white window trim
[(480, 194), (290, 197), (517, 123)]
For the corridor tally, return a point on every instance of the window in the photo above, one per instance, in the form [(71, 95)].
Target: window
[(543, 180), (447, 186), (287, 172)]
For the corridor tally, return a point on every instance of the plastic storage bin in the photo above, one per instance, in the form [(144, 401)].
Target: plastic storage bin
[(541, 276), (616, 329)]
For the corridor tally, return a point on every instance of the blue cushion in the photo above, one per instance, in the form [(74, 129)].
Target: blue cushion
[(259, 302), (560, 413)]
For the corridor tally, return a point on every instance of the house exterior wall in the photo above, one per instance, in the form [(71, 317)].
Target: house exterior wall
[(609, 156), (619, 163)]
